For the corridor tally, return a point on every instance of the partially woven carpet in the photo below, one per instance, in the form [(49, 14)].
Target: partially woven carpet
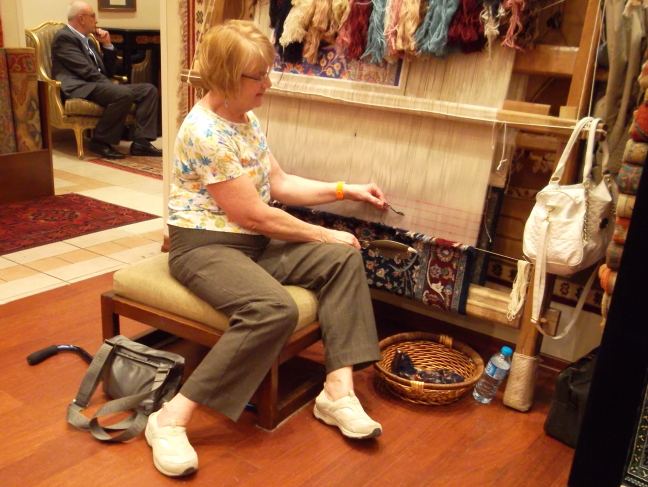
[(144, 165), (438, 275), (56, 218)]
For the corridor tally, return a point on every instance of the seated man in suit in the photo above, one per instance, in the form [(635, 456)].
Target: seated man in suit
[(84, 73)]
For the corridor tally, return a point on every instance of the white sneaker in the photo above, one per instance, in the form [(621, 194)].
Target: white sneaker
[(347, 414), (173, 455)]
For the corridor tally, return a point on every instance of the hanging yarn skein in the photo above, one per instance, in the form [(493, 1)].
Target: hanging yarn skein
[(466, 29), (432, 36), (490, 20), (294, 29), (515, 8), (376, 43), (352, 37), (340, 10), (280, 20), (297, 21), (392, 19), (409, 21), (318, 26), (274, 10)]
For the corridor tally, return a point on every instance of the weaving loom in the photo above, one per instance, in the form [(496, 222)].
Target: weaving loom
[(433, 134)]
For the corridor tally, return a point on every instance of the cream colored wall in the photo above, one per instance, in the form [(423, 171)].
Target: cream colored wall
[(13, 29), (147, 16)]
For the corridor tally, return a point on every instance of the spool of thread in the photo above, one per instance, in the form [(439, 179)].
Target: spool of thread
[(635, 152), (625, 205), (605, 304), (639, 128), (620, 230), (608, 278), (643, 77), (613, 255), (629, 177)]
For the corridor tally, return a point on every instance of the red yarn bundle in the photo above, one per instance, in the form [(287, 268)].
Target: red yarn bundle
[(466, 29), (352, 37)]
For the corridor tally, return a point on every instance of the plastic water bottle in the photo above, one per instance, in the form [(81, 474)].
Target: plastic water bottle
[(495, 372)]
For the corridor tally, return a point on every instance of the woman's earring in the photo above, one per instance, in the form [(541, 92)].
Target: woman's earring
[(226, 103)]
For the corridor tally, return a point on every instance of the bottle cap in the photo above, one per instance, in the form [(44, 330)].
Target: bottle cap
[(506, 351)]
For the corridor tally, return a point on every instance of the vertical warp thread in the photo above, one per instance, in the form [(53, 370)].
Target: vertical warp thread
[(376, 43), (352, 37), (431, 37)]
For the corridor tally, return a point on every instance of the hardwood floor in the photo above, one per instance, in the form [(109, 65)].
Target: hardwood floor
[(464, 444)]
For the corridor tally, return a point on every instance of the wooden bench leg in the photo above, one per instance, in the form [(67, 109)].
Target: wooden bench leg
[(109, 319), (268, 399)]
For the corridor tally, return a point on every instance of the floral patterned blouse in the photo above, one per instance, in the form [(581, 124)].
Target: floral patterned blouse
[(210, 149)]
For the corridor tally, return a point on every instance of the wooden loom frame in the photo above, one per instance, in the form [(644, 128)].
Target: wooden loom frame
[(537, 129)]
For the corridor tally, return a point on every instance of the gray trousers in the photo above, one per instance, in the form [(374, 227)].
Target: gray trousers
[(117, 100), (242, 276)]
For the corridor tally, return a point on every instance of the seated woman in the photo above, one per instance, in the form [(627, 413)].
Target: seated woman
[(235, 251)]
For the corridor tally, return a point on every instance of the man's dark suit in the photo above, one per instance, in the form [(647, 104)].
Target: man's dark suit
[(82, 77)]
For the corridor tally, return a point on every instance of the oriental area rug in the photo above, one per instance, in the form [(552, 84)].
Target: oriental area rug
[(144, 165), (55, 218)]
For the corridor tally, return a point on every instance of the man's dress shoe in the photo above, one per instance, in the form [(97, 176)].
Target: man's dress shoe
[(145, 148), (104, 150)]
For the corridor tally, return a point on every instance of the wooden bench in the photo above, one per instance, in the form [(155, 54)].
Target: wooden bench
[(146, 292)]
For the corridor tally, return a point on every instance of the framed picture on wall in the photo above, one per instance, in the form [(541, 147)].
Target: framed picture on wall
[(117, 5)]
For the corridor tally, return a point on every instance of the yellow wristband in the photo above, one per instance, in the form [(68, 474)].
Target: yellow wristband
[(339, 194)]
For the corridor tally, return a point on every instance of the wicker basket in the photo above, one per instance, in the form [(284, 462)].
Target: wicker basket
[(429, 351)]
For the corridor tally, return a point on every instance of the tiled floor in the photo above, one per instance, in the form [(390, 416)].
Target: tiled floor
[(42, 268)]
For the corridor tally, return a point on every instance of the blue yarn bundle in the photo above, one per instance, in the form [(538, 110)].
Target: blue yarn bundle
[(432, 35), (376, 42)]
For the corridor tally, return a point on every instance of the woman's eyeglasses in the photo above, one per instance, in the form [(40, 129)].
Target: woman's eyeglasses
[(260, 79)]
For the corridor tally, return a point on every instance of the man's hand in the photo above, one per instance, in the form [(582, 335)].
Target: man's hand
[(103, 36)]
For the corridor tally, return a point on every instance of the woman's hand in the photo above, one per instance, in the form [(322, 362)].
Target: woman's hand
[(336, 236), (370, 193)]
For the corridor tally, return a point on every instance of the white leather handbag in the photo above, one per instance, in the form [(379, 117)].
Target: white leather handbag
[(570, 226)]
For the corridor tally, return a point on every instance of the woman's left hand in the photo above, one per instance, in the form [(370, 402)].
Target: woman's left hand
[(370, 193)]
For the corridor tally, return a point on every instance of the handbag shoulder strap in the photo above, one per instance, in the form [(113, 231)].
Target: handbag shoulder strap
[(88, 386), (560, 168), (577, 309), (134, 424)]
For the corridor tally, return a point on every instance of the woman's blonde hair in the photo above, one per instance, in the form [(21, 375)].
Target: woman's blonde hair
[(227, 50)]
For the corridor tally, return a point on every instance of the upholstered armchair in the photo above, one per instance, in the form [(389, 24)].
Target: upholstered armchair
[(143, 72), (76, 114)]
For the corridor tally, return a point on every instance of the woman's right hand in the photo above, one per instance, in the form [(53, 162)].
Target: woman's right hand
[(337, 236)]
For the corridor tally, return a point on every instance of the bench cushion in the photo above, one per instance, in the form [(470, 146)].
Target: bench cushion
[(150, 282)]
